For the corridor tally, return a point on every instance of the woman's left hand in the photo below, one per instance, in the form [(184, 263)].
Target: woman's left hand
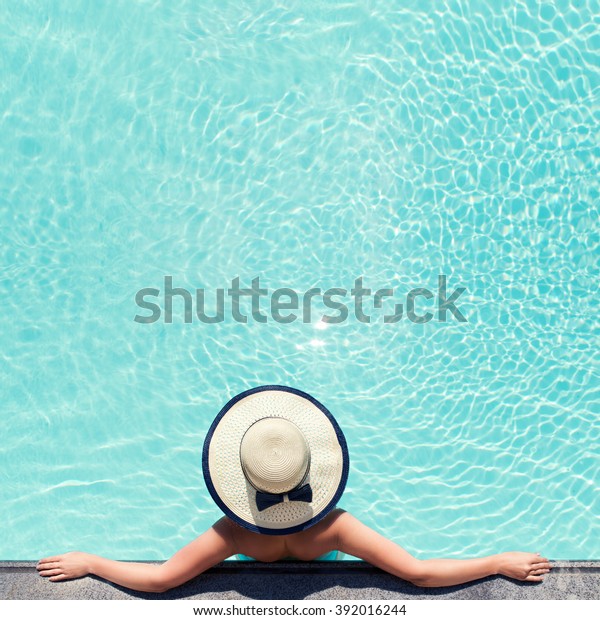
[(66, 566)]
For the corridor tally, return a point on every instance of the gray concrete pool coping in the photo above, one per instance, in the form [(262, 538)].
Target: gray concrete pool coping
[(346, 580)]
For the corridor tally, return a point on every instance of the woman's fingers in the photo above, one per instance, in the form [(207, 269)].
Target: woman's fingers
[(54, 558), (541, 565), (51, 567), (50, 572), (66, 566), (537, 570), (45, 564)]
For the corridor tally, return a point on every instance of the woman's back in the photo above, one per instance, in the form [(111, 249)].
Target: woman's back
[(307, 545)]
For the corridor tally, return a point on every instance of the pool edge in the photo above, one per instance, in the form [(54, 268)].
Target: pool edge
[(345, 580)]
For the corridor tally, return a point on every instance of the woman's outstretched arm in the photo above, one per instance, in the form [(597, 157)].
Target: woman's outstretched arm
[(212, 547), (361, 541)]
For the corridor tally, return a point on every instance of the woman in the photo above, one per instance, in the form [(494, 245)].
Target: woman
[(276, 463)]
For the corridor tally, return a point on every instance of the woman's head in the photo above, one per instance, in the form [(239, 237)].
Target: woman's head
[(275, 460)]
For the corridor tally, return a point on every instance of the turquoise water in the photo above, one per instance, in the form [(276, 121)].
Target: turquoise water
[(307, 143)]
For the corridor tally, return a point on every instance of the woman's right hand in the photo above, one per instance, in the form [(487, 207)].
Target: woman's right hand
[(66, 566), (523, 566)]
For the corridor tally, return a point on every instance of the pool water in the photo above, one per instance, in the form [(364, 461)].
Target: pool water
[(308, 144)]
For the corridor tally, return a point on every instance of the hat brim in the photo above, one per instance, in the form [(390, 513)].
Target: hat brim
[(223, 473)]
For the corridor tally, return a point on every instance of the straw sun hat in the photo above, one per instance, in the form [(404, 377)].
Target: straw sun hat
[(275, 460)]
